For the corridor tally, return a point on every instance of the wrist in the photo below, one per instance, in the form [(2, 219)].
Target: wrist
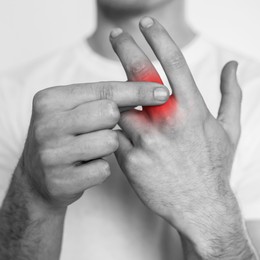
[(241, 250), (30, 228), (38, 207), (219, 232)]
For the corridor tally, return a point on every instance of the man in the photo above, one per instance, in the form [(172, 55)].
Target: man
[(177, 164)]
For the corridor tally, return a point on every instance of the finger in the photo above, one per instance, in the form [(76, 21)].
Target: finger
[(125, 146), (230, 106), (83, 148), (139, 68), (136, 64), (122, 93), (88, 175), (171, 58), (85, 118), (92, 116), (133, 123)]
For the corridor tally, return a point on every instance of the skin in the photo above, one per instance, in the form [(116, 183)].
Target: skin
[(180, 166), (43, 185), (171, 14), (253, 228), (56, 167), (63, 157)]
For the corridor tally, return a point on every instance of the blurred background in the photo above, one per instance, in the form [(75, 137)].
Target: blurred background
[(32, 28)]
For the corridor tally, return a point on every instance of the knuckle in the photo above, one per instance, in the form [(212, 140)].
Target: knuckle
[(146, 140), (142, 93), (112, 140), (103, 169), (106, 92), (123, 40), (133, 160), (112, 110), (41, 130), (56, 187), (46, 157), (47, 127), (41, 100), (174, 60), (75, 117), (139, 68), (56, 122)]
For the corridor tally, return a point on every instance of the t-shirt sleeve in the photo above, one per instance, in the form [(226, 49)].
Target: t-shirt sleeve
[(246, 167), (12, 130)]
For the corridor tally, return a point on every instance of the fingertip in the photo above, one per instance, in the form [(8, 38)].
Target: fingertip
[(229, 73), (231, 67), (146, 22), (115, 33)]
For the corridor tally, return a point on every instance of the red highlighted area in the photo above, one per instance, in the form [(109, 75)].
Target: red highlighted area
[(161, 112)]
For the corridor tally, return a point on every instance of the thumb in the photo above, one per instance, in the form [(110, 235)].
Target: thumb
[(230, 106)]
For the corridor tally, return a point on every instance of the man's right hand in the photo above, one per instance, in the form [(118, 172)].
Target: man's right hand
[(71, 131)]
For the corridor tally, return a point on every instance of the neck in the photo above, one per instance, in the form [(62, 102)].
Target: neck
[(170, 15)]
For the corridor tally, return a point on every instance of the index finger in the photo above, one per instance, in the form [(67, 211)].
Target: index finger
[(124, 94), (171, 58)]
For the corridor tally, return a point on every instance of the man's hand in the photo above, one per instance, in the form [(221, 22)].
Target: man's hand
[(179, 164), (71, 131), (69, 134)]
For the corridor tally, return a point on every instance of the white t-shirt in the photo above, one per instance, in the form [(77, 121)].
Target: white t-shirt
[(109, 221)]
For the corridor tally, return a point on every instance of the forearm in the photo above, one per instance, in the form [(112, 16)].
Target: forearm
[(28, 229), (222, 236), (241, 251)]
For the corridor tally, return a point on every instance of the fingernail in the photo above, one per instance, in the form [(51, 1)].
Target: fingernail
[(161, 94), (116, 32), (146, 22)]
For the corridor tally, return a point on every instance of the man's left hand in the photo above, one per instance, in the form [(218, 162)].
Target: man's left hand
[(179, 164)]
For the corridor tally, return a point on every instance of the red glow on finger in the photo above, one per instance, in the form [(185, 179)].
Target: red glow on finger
[(165, 111)]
